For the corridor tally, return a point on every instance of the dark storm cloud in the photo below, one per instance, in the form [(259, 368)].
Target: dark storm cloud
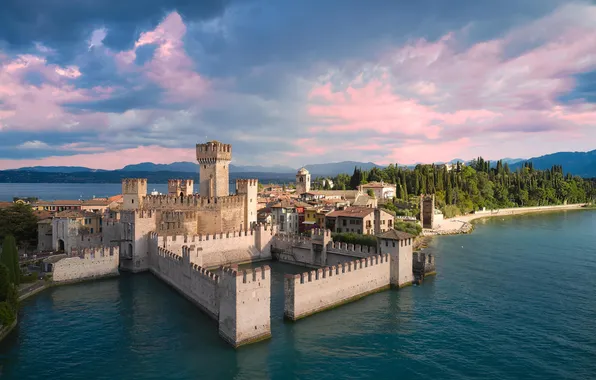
[(585, 89), (63, 23), (294, 32)]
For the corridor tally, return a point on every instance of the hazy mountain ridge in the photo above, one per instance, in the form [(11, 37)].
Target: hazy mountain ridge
[(576, 163)]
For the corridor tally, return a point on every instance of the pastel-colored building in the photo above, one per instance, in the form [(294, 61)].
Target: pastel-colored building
[(381, 190), (360, 220)]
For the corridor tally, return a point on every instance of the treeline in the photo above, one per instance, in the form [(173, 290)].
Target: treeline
[(10, 276), (465, 188)]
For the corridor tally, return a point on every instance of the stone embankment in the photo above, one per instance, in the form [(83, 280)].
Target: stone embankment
[(462, 224), (5, 330)]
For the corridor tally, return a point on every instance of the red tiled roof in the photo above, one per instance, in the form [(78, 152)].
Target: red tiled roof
[(75, 214), (352, 212)]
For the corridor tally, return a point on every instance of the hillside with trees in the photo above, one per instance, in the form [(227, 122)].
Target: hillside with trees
[(466, 188)]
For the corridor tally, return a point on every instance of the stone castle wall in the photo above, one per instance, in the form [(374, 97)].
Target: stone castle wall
[(139, 224), (223, 249), (92, 263), (238, 300), (193, 281), (245, 305), (311, 292)]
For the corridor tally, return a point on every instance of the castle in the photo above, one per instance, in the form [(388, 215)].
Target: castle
[(194, 243)]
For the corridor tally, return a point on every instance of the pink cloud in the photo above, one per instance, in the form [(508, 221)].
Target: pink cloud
[(376, 108), (444, 97), (170, 66), (110, 159), (36, 107)]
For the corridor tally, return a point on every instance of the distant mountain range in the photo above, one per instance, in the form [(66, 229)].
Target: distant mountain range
[(582, 164), (576, 163)]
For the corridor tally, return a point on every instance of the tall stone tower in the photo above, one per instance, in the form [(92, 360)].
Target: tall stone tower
[(427, 210), (180, 187), (133, 191), (249, 187), (302, 181), (214, 173), (399, 246)]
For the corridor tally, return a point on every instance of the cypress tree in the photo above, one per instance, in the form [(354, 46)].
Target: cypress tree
[(10, 258), (5, 283)]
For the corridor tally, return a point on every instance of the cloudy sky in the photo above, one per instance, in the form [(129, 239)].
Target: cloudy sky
[(108, 83)]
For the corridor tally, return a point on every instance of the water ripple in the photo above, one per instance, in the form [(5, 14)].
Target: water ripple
[(513, 300)]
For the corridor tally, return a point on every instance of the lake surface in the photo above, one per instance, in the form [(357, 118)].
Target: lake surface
[(515, 299), (69, 191)]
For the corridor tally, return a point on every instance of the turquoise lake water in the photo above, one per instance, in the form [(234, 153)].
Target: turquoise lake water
[(514, 300)]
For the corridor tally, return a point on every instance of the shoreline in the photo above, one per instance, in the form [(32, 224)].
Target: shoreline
[(463, 224)]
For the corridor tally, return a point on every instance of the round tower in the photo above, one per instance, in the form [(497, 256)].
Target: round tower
[(302, 181), (214, 173)]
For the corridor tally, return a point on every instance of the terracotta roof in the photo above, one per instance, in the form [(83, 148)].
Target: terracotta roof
[(96, 202), (395, 235), (61, 203), (352, 212), (361, 200), (42, 214), (116, 198), (335, 193), (75, 214), (285, 203), (5, 204), (377, 185)]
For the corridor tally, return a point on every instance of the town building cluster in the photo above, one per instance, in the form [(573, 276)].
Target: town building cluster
[(195, 241)]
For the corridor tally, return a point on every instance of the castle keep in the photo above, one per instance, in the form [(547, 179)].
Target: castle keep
[(194, 243)]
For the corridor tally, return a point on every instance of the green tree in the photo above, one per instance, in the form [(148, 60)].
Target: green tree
[(5, 282), (19, 221), (10, 258)]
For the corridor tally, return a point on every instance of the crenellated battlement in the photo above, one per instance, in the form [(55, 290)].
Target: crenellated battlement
[(293, 239), (339, 269), (213, 151), (351, 248), (166, 241), (131, 215), (247, 182), (87, 263), (179, 187), (246, 276), (314, 291), (177, 216), (319, 233), (134, 186), (168, 254), (204, 273), (169, 201)]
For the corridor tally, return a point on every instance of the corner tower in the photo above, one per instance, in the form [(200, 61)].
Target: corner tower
[(302, 181), (133, 191), (214, 173), (249, 187)]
